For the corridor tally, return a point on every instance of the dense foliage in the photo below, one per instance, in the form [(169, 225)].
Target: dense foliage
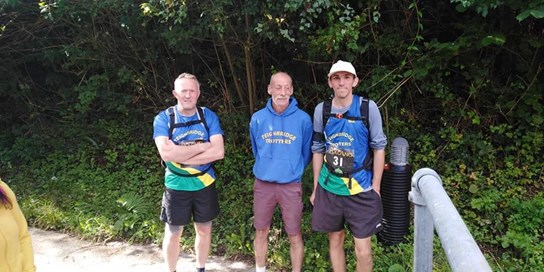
[(80, 82)]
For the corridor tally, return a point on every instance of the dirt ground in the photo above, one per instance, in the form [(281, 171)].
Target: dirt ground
[(59, 252)]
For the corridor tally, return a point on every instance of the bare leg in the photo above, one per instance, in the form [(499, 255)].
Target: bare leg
[(203, 242), (336, 248), (170, 245), (363, 251), (260, 246), (297, 252)]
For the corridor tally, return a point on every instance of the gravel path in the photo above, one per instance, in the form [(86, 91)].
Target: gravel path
[(59, 252)]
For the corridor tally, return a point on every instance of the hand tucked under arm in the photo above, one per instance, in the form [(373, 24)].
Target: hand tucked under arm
[(171, 152), (214, 153)]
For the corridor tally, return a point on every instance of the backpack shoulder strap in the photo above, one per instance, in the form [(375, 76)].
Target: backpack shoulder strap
[(368, 162), (202, 117), (365, 113), (326, 113), (172, 116)]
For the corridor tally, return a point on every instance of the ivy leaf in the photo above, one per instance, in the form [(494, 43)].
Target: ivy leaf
[(285, 34)]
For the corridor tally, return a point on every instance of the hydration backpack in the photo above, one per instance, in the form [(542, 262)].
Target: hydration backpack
[(327, 105), (326, 114), (174, 125)]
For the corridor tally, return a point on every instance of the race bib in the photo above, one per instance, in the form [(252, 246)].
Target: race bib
[(339, 160)]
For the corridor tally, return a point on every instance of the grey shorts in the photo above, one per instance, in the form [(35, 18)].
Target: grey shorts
[(361, 212), (266, 195), (178, 207)]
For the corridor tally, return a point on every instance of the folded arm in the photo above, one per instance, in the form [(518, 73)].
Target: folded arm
[(171, 152), (214, 153)]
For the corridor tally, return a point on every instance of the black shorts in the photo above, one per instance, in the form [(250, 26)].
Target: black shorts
[(178, 207), (362, 212)]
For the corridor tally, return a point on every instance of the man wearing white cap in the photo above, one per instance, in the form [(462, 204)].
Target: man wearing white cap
[(348, 160)]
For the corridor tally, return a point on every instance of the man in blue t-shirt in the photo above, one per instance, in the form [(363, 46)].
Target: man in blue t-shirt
[(348, 160), (281, 135), (189, 139)]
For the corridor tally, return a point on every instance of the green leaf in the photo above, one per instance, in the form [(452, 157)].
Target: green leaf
[(522, 16), (396, 268), (498, 39), (460, 8), (539, 14), (536, 13), (376, 16)]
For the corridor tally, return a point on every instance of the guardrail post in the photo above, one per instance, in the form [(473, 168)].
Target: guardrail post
[(429, 196), (423, 228)]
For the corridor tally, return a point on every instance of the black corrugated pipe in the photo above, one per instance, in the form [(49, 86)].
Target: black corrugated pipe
[(394, 191)]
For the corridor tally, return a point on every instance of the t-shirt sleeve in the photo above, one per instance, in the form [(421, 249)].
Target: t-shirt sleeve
[(213, 122), (378, 140), (160, 125), (318, 146), (252, 132), (307, 138)]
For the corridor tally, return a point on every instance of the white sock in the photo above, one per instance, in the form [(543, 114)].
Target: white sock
[(260, 269)]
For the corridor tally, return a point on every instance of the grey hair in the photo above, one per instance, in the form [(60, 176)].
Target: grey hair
[(188, 76)]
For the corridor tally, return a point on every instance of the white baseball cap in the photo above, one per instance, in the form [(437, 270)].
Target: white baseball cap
[(342, 66)]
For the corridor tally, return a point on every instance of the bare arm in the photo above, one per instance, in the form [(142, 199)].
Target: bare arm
[(317, 164), (171, 152), (379, 161), (214, 153)]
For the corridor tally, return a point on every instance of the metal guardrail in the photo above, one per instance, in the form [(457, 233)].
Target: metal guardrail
[(433, 209)]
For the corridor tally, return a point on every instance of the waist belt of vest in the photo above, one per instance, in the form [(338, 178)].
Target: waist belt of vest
[(195, 174), (348, 175), (332, 170), (367, 165)]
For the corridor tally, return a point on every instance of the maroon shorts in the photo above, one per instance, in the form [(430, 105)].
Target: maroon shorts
[(362, 212), (266, 195)]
